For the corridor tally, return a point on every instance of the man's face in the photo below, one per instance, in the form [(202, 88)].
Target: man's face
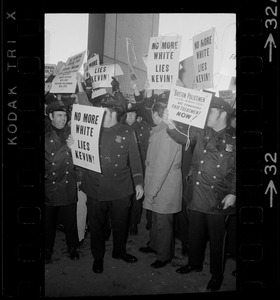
[(59, 119), (213, 117), (130, 117)]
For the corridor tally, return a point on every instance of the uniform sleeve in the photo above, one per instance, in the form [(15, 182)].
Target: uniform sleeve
[(164, 162), (135, 161), (183, 133)]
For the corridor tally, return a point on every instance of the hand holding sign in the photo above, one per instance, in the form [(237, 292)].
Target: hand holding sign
[(70, 141)]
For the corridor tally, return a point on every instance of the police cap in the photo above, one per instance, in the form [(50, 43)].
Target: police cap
[(131, 107), (56, 105), (220, 103), (113, 102)]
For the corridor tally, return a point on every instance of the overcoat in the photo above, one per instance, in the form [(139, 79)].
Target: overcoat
[(60, 177), (163, 176)]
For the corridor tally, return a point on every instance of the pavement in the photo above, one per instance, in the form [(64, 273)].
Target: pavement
[(67, 278)]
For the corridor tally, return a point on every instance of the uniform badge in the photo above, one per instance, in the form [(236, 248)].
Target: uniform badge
[(229, 147), (118, 139)]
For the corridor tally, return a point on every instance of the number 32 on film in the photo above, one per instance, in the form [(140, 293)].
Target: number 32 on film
[(270, 169)]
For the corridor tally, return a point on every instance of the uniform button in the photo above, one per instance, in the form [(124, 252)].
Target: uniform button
[(124, 138), (51, 141), (115, 174), (119, 155), (126, 130), (221, 155), (67, 153), (67, 162), (204, 151), (197, 183), (199, 172), (214, 177), (207, 137), (67, 172), (52, 154), (218, 166), (116, 165), (224, 141), (53, 163), (212, 186), (201, 161), (121, 146), (53, 173), (140, 134), (53, 182), (66, 181)]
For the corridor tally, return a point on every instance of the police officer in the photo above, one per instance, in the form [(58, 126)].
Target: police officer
[(210, 191), (60, 182), (142, 132), (121, 175)]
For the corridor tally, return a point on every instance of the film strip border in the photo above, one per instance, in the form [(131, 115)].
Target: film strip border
[(23, 149), (258, 149)]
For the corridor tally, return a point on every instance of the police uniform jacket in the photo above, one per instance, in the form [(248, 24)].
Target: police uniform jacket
[(212, 175), (163, 176), (142, 132), (60, 177), (121, 168)]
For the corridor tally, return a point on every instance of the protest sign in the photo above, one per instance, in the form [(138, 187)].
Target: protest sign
[(227, 95), (163, 61), (102, 75), (65, 81), (92, 62), (203, 59), (49, 68), (85, 128), (98, 92), (188, 106)]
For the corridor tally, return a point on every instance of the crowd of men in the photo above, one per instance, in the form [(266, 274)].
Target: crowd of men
[(182, 176)]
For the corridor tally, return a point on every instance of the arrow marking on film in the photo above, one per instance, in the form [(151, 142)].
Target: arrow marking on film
[(271, 188), (271, 42)]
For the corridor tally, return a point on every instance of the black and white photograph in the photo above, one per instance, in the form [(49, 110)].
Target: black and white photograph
[(140, 154)]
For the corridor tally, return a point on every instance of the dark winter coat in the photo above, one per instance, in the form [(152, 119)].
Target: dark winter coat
[(60, 178), (120, 162), (212, 175)]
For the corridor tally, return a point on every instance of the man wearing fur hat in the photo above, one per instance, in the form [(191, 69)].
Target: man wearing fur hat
[(210, 189), (121, 175), (60, 182)]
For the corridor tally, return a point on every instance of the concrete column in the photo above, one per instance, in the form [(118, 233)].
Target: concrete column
[(96, 30)]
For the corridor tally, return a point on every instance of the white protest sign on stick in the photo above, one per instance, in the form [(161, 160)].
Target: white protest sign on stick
[(203, 59), (65, 81), (85, 127), (102, 75), (92, 62), (188, 106), (163, 61)]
